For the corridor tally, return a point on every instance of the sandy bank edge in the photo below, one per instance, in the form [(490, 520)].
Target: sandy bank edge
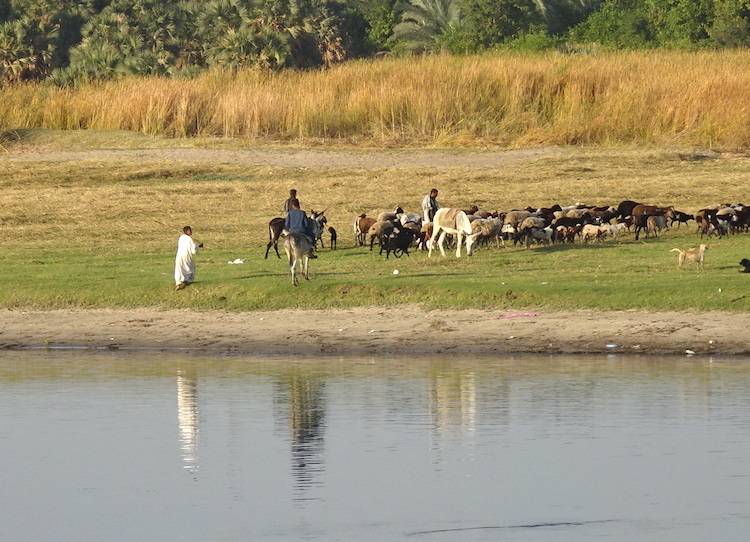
[(380, 330)]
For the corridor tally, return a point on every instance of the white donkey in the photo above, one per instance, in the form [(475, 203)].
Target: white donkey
[(453, 222)]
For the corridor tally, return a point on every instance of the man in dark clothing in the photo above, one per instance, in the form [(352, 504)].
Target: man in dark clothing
[(430, 205), (297, 222), (289, 204)]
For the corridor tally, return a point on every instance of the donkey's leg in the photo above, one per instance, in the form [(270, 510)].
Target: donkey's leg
[(440, 242), (292, 268), (431, 243), (306, 261)]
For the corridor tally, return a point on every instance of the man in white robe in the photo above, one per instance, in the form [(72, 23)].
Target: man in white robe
[(184, 263)]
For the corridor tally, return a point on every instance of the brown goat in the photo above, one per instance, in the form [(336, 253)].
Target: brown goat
[(362, 225)]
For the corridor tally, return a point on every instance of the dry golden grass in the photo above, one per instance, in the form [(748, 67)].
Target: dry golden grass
[(508, 100), (110, 203)]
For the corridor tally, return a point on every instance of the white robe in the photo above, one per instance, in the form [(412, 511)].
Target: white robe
[(184, 263)]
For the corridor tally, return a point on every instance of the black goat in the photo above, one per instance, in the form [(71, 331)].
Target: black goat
[(334, 237), (680, 218), (397, 242)]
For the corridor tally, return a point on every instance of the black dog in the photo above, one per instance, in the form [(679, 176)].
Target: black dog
[(744, 262)]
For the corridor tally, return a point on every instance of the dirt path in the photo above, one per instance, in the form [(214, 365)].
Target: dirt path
[(406, 330), (293, 158)]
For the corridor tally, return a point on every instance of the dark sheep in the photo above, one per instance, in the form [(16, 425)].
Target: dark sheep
[(397, 242)]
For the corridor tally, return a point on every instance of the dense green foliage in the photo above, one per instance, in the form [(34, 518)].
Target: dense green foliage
[(81, 40)]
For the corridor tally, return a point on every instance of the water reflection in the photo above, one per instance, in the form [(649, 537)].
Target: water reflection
[(187, 417), (302, 393), (529, 448), (453, 400)]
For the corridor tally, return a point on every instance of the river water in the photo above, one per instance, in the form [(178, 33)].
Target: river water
[(126, 447)]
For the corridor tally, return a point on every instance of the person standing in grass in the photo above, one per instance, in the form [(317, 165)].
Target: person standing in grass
[(430, 205), (184, 263), (290, 203)]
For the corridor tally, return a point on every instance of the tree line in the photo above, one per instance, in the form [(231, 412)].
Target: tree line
[(70, 41)]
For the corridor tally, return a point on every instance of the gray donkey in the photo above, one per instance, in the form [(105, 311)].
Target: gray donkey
[(298, 248)]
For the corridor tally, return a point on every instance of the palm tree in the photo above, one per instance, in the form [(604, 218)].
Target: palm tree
[(424, 24)]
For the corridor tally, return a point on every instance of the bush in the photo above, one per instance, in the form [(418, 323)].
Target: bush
[(491, 22), (731, 24), (381, 17), (618, 24), (534, 41)]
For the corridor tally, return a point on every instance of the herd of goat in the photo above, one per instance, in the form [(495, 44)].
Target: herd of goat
[(398, 231)]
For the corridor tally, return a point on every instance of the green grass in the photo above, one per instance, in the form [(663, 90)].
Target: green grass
[(101, 232), (625, 275)]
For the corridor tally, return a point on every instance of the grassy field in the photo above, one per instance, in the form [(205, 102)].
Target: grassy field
[(101, 232), (657, 97)]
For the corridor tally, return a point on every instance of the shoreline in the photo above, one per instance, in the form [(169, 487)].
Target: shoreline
[(406, 330)]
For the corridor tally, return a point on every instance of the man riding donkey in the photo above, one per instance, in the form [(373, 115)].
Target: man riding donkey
[(290, 203), (297, 223)]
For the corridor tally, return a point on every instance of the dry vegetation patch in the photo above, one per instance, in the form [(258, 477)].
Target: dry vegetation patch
[(516, 100)]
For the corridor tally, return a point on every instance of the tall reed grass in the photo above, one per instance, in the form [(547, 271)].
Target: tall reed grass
[(510, 100)]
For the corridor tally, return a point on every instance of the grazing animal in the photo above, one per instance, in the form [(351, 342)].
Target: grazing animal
[(745, 263), (320, 219), (695, 255), (709, 223), (362, 225), (571, 232), (540, 235), (380, 230), (488, 229), (454, 222), (514, 218), (425, 235), (275, 229), (571, 222), (641, 213), (298, 249), (625, 208), (334, 237), (615, 230), (385, 216), (414, 227), (681, 218), (590, 231), (741, 220), (603, 216), (577, 213), (531, 222), (397, 242), (405, 218), (654, 224)]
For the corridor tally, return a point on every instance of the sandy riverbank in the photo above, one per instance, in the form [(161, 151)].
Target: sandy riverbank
[(403, 330)]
